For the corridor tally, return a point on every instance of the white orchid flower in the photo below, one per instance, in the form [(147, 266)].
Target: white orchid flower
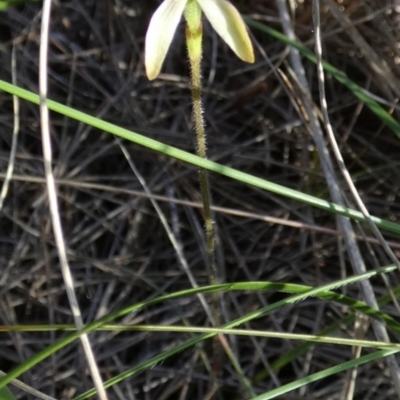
[(223, 17)]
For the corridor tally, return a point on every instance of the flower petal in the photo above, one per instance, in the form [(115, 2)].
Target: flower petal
[(160, 33), (228, 23)]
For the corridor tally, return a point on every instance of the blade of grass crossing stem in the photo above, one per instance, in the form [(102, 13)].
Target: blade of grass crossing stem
[(355, 305), (321, 292), (302, 293), (189, 158), (288, 288)]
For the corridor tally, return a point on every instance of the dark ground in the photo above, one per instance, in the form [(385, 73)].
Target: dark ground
[(118, 249)]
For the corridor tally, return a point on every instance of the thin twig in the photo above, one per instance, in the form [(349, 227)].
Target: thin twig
[(333, 142), (11, 162), (53, 203), (171, 236), (334, 189)]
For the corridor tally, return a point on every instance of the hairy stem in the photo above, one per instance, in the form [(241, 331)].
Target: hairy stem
[(194, 33)]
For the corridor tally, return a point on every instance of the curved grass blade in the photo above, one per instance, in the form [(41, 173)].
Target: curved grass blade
[(303, 293), (322, 292), (291, 288)]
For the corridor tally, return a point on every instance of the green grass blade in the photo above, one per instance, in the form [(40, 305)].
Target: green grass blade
[(337, 74), (322, 292), (302, 294), (228, 331), (5, 393), (197, 161), (303, 347), (290, 288), (323, 374), (7, 4)]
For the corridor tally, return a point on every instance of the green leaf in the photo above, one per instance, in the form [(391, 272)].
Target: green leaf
[(337, 74), (5, 393), (303, 292), (7, 4), (323, 374), (197, 161)]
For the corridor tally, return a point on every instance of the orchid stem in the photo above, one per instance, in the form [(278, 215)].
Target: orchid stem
[(194, 34)]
